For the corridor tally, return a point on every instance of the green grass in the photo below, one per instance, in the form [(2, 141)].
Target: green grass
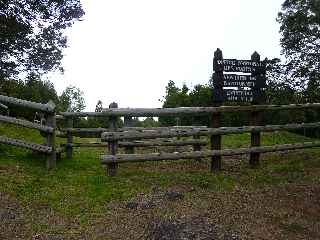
[(80, 188)]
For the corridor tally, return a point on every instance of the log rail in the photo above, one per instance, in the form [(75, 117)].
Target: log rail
[(156, 112), (201, 154), (49, 148)]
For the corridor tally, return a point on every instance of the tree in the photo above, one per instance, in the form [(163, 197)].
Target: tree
[(72, 100), (300, 42), (32, 34)]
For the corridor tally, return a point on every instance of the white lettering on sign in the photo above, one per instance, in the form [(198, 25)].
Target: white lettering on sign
[(238, 84), (237, 69), (233, 77), (234, 65), (239, 93), (239, 96)]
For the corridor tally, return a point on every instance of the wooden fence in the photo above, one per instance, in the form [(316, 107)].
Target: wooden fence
[(130, 137), (49, 148), (114, 138)]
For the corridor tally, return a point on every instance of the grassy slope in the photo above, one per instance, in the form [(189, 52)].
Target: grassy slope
[(80, 189)]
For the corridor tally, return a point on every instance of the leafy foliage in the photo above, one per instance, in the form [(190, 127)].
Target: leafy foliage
[(72, 100), (32, 34), (300, 29), (175, 97)]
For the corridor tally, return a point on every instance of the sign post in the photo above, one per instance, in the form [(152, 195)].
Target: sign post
[(218, 98), (244, 81)]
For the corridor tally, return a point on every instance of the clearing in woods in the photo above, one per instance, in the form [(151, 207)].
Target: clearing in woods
[(160, 200)]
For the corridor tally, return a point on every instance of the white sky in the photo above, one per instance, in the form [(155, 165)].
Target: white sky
[(126, 51)]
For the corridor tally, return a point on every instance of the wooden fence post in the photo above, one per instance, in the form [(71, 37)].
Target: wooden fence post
[(218, 98), (113, 145), (128, 122), (69, 138), (256, 116), (51, 138)]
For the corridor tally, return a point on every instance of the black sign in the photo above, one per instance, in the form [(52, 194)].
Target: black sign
[(245, 66), (247, 76), (238, 95)]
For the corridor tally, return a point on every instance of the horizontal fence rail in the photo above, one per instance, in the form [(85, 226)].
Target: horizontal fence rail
[(25, 123), (112, 136), (106, 159), (155, 112), (144, 143), (23, 144), (96, 132), (48, 107), (3, 106)]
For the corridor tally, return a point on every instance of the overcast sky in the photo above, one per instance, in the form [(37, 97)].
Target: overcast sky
[(126, 51)]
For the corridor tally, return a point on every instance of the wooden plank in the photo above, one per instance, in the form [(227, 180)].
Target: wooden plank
[(89, 145), (49, 107), (189, 155), (83, 130), (145, 143), (95, 131), (26, 124), (3, 106), (112, 136), (158, 128), (153, 112), (23, 144), (197, 142)]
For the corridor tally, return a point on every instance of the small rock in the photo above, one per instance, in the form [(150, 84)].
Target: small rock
[(7, 216), (147, 205), (132, 205), (172, 195)]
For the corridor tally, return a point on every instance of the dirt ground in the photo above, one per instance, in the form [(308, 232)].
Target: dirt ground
[(290, 211)]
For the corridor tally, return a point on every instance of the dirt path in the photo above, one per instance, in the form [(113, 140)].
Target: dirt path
[(281, 212)]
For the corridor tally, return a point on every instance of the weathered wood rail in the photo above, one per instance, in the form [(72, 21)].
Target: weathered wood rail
[(156, 112), (158, 143), (200, 154), (117, 138), (149, 134), (3, 106), (49, 148)]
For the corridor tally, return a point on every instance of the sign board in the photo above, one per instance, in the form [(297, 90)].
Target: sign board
[(238, 95), (246, 79)]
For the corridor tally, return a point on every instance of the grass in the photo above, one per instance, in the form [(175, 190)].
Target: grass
[(80, 188)]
